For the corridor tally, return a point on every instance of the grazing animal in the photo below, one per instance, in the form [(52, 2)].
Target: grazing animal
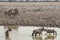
[(7, 13), (15, 12), (11, 12), (51, 31), (37, 31), (7, 32), (9, 29)]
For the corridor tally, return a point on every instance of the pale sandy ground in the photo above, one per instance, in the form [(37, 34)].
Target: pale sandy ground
[(31, 13)]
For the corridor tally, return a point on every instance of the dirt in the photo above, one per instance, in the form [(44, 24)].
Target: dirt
[(31, 13)]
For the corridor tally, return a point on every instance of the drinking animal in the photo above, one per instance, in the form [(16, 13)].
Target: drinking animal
[(51, 31), (37, 31), (7, 32)]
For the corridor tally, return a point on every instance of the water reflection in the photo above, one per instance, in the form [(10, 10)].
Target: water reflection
[(23, 33), (50, 38), (37, 38), (7, 38), (41, 38)]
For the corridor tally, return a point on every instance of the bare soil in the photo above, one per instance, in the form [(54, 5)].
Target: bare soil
[(31, 13)]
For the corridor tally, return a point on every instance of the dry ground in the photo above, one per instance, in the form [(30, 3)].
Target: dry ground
[(31, 13)]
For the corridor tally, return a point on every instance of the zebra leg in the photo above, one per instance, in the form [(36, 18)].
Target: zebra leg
[(49, 33), (35, 34), (46, 33), (40, 34), (55, 34), (32, 34)]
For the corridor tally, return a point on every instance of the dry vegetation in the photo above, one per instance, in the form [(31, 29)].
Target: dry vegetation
[(32, 14)]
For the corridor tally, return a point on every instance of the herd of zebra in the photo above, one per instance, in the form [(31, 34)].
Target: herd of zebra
[(48, 31)]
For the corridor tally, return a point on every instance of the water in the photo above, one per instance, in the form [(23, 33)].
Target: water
[(2, 33), (24, 33)]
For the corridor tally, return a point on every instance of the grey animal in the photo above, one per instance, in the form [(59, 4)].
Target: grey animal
[(7, 32), (11, 12), (49, 31), (37, 31)]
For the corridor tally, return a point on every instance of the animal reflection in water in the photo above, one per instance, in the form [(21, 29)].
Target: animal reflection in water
[(37, 38), (7, 32), (39, 31), (49, 37), (41, 38)]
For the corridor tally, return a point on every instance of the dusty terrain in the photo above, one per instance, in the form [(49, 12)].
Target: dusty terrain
[(31, 13)]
